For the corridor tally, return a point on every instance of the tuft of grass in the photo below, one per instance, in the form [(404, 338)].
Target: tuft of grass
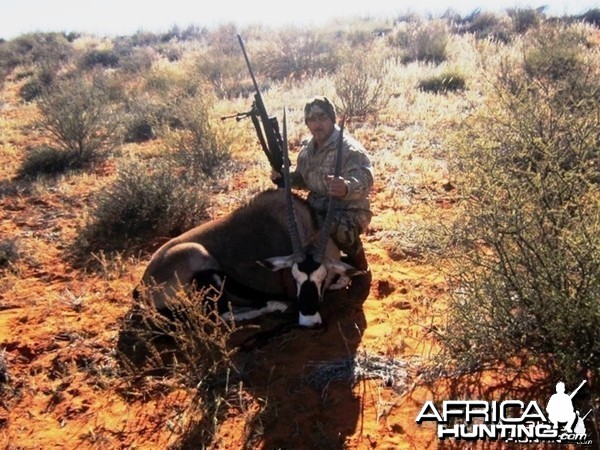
[(448, 81)]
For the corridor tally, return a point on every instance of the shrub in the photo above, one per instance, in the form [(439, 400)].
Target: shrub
[(444, 82), (137, 61), (9, 253), (140, 118), (194, 347), (524, 19), (79, 115), (486, 25), (227, 73), (196, 142), (144, 203), (41, 49), (36, 85), (361, 84), (525, 288), (100, 57), (221, 63), (177, 106), (422, 41), (554, 53), (52, 161), (139, 129), (297, 53)]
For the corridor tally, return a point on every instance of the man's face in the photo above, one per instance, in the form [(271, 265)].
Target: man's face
[(320, 125)]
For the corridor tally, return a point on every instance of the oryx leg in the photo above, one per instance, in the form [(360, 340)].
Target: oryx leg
[(184, 267), (241, 313), (246, 303)]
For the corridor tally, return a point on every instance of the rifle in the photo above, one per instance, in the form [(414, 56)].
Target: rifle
[(267, 127)]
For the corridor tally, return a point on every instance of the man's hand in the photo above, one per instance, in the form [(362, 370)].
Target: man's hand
[(337, 187)]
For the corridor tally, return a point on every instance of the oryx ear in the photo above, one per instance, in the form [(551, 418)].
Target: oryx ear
[(277, 262), (341, 268)]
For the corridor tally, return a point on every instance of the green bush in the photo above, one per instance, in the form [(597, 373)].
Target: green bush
[(80, 116), (196, 142), (143, 204), (526, 285)]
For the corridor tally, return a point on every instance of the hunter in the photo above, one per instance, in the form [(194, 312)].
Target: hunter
[(314, 172)]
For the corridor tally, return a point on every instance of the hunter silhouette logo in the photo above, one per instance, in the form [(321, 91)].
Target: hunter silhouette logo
[(560, 407), (510, 420)]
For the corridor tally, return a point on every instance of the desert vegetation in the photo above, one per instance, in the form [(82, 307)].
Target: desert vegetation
[(484, 134)]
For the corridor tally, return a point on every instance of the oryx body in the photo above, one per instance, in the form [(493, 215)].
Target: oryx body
[(248, 254), (244, 253)]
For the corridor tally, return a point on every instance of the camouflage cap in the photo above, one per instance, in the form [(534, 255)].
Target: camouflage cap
[(319, 105)]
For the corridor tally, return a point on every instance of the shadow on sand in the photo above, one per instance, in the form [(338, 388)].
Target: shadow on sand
[(280, 401)]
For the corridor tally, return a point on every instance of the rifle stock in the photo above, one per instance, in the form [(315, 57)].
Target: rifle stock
[(267, 127)]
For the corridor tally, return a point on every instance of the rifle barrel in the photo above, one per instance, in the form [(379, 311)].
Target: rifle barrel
[(239, 36), (268, 133)]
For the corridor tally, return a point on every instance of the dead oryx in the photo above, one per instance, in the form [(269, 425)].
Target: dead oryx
[(261, 257)]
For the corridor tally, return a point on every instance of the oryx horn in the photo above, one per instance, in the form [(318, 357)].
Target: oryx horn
[(328, 221), (291, 216)]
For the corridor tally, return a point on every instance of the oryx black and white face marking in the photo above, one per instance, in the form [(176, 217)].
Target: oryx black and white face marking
[(310, 279)]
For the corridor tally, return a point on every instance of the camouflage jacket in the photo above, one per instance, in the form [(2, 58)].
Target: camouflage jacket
[(314, 165)]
